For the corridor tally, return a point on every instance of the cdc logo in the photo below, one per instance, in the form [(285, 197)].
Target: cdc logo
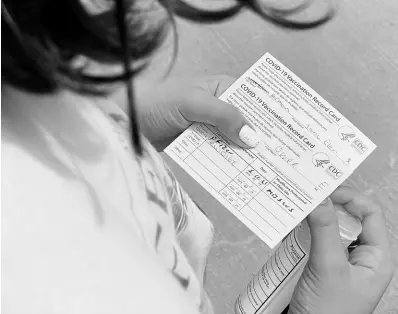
[(334, 172), (346, 133), (320, 160)]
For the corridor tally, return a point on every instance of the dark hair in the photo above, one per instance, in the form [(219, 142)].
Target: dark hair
[(40, 38)]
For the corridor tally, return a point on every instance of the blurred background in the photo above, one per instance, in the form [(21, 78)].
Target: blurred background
[(352, 61)]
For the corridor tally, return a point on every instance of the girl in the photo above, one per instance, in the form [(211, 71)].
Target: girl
[(93, 221)]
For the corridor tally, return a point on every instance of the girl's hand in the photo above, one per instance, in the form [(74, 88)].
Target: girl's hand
[(333, 284), (167, 109)]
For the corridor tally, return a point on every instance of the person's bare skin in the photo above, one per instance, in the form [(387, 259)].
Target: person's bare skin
[(332, 284)]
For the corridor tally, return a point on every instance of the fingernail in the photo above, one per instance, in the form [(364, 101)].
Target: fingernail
[(325, 201), (248, 136)]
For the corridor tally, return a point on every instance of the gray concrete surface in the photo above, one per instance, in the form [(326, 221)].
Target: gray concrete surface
[(353, 63)]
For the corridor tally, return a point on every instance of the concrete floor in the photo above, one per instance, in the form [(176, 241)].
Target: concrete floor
[(353, 63)]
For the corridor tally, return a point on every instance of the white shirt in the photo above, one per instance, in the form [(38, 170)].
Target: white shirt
[(88, 227)]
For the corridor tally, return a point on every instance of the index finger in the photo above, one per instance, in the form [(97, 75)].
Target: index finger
[(371, 215)]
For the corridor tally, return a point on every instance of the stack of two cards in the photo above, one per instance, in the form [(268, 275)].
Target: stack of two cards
[(307, 149)]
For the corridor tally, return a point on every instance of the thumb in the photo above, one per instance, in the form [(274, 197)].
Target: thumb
[(226, 117), (326, 246)]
